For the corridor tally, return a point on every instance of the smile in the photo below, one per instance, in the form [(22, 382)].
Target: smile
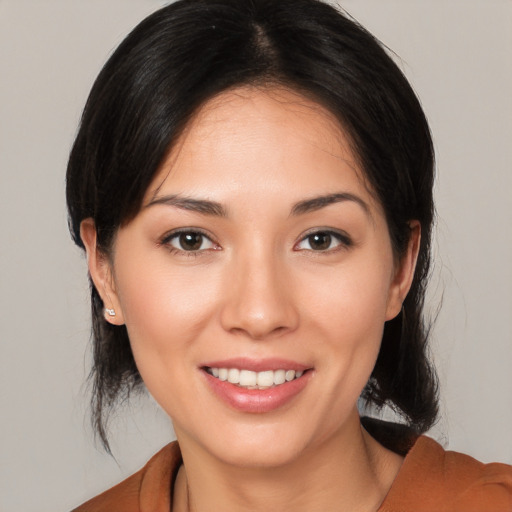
[(254, 380)]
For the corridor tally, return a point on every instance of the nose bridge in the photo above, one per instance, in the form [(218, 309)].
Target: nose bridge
[(259, 302)]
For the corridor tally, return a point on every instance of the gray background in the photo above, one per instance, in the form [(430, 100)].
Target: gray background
[(458, 55)]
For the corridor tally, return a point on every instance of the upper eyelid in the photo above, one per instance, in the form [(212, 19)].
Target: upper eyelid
[(343, 239), (167, 242), (178, 231), (339, 233)]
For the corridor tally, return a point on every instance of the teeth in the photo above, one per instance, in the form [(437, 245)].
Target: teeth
[(279, 377), (247, 378), (234, 375), (290, 375), (265, 379), (255, 380)]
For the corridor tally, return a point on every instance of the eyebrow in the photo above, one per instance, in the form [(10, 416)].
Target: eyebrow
[(316, 203), (213, 208), (202, 206)]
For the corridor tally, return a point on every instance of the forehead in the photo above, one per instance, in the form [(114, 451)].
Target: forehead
[(254, 138), (245, 109)]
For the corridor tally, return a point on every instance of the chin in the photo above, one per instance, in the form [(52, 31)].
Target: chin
[(259, 444), (271, 452)]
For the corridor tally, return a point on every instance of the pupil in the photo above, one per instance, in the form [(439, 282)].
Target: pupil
[(320, 241), (191, 241)]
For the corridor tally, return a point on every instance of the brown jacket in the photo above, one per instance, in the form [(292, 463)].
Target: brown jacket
[(430, 480)]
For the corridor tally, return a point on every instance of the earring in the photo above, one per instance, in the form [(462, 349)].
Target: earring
[(110, 312)]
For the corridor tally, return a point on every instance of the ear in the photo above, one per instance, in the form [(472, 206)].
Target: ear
[(100, 270), (404, 273)]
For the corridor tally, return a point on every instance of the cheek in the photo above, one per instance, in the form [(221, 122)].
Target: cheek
[(348, 311), (352, 299), (164, 307)]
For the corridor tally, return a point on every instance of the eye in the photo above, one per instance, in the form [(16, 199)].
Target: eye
[(189, 241), (323, 241)]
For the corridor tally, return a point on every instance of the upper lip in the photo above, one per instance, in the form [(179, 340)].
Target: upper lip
[(257, 365)]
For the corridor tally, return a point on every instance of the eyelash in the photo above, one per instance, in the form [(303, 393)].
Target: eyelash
[(168, 238), (343, 240)]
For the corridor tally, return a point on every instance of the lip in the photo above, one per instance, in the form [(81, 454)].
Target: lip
[(257, 401), (257, 365)]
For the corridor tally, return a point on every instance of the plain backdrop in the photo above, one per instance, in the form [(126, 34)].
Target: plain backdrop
[(458, 56)]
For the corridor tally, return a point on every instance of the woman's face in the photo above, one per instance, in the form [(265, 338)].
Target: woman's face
[(261, 255)]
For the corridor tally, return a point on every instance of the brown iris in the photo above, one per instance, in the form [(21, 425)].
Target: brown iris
[(190, 241), (320, 241)]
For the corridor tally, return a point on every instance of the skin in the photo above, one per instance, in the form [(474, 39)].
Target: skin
[(258, 287)]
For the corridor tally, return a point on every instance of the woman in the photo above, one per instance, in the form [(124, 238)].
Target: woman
[(252, 182)]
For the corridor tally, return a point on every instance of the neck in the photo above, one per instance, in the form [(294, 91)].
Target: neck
[(348, 472)]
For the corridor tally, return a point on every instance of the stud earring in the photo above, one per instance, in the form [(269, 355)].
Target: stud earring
[(110, 312)]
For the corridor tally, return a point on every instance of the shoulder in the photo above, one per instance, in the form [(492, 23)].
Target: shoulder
[(148, 489), (432, 478)]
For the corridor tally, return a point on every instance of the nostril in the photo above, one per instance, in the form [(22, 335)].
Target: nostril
[(259, 332)]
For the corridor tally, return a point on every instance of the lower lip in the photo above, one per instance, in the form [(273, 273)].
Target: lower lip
[(257, 400)]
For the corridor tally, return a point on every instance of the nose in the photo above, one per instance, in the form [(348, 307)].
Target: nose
[(259, 299)]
